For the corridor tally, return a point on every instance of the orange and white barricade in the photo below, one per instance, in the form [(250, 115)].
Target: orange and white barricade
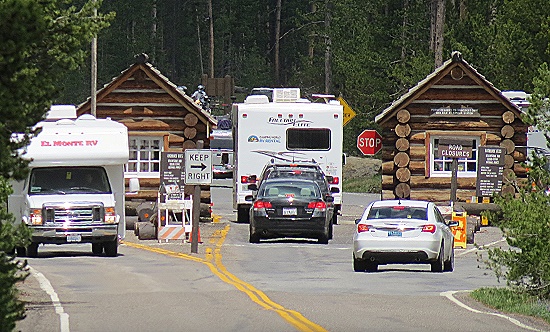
[(175, 219)]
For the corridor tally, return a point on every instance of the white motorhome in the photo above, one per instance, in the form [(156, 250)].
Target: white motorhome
[(288, 128), (74, 192)]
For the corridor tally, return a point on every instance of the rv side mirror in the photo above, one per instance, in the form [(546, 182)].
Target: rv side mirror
[(334, 190), (253, 187), (134, 185)]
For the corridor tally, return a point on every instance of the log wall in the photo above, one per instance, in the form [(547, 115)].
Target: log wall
[(406, 138)]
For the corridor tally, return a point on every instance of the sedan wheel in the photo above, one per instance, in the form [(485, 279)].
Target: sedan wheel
[(254, 236), (437, 266), (359, 265), (450, 264)]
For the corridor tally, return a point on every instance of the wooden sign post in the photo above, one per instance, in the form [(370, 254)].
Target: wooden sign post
[(454, 148)]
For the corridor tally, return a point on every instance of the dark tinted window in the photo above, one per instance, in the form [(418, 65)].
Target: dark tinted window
[(307, 139)]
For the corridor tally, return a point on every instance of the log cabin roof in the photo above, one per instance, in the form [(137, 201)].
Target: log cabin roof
[(434, 80), (145, 70)]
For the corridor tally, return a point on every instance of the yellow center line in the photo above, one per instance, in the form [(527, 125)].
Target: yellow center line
[(214, 262)]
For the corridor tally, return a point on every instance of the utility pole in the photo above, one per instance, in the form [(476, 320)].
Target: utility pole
[(94, 70)]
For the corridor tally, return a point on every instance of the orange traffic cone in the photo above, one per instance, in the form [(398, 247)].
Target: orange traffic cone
[(191, 236)]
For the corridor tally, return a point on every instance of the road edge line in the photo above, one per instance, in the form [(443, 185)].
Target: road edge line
[(46, 286), (450, 296)]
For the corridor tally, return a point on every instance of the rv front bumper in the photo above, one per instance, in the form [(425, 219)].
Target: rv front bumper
[(82, 234)]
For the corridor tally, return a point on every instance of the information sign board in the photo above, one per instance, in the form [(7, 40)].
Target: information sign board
[(490, 170), (171, 172)]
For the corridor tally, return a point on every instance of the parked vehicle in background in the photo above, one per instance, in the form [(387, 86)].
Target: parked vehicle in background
[(221, 145), (300, 170), (289, 129), (403, 232), (75, 190), (290, 208)]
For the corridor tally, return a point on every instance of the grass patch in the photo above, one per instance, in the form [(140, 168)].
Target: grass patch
[(507, 300), (367, 184)]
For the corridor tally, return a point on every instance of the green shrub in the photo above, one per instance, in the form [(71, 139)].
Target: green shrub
[(12, 270), (525, 223)]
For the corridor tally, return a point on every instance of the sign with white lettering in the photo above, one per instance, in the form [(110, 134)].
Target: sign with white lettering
[(455, 112), (490, 170), (198, 167), (171, 177), (454, 148)]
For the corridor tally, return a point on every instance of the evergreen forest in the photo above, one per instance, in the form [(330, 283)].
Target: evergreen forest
[(367, 51)]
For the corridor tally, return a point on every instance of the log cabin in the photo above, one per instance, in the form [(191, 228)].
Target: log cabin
[(454, 102), (159, 116)]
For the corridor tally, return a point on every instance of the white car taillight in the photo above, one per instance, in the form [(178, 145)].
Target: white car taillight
[(362, 228), (36, 217), (110, 215), (429, 228)]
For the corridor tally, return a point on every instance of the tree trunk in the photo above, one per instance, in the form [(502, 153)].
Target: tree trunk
[(211, 23), (328, 51), (439, 27), (153, 31), (277, 41), (404, 29)]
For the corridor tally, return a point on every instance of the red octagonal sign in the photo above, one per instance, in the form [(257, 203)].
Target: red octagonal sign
[(369, 142)]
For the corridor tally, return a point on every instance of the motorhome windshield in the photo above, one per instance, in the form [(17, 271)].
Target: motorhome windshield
[(68, 180)]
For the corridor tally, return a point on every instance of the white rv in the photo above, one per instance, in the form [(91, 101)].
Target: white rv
[(288, 128), (74, 192)]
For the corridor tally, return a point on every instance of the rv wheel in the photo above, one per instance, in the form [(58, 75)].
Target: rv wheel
[(32, 250), (111, 248), (97, 248)]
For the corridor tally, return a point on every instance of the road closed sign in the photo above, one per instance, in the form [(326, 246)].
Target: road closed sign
[(198, 167), (369, 142)]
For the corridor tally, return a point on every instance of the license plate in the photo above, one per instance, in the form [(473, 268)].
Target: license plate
[(395, 233), (290, 211), (74, 238)]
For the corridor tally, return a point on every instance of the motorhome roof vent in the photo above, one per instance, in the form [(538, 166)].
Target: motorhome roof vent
[(286, 95), (57, 112), (256, 99)]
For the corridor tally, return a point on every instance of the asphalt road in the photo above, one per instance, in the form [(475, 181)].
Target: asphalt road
[(278, 285)]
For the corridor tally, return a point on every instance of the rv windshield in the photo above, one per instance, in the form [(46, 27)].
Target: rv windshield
[(69, 180)]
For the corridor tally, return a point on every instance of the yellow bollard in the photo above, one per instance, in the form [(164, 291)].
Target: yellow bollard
[(460, 231)]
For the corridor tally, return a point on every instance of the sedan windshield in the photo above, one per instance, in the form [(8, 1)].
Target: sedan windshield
[(398, 212), (68, 180)]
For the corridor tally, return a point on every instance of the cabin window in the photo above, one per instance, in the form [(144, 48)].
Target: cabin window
[(308, 139), (441, 166), (144, 156)]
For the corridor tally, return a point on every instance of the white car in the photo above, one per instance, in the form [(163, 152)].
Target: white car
[(403, 232)]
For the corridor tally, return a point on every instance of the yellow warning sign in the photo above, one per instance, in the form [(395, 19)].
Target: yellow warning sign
[(348, 112), (460, 231)]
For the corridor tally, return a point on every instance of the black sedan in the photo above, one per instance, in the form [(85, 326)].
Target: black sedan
[(291, 208)]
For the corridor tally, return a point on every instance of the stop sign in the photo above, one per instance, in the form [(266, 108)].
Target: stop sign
[(369, 142)]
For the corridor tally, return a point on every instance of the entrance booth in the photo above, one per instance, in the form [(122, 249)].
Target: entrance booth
[(420, 130)]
